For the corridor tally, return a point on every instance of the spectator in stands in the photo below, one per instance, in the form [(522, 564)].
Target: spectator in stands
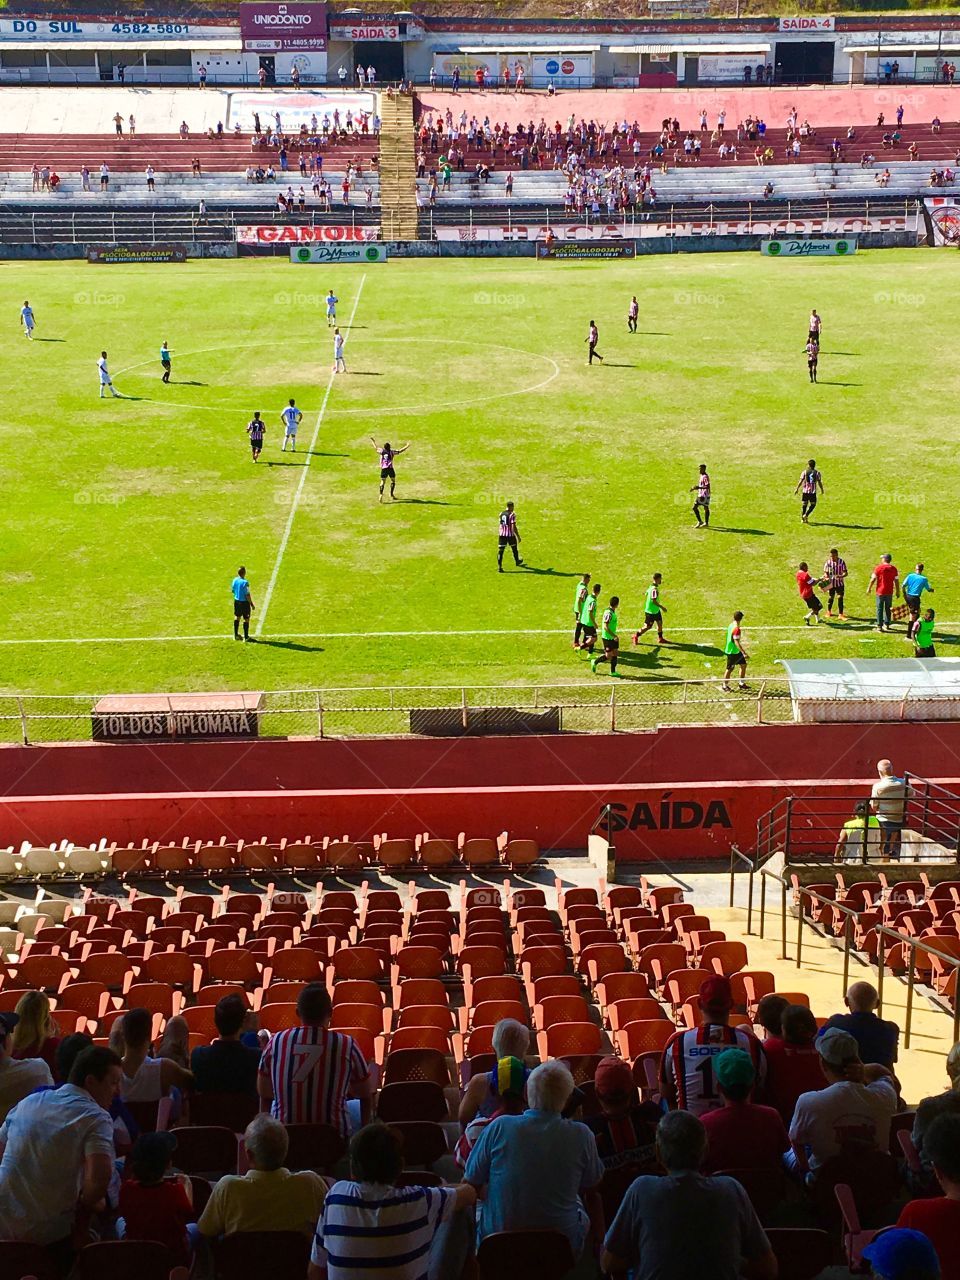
[(17, 1077), (184, 131), (175, 1042), (864, 825), (769, 1016), (852, 1112), (331, 1068), (268, 1197), (195, 167), (939, 1217), (510, 1039), (145, 1078), (742, 1134), (104, 176), (625, 1130), (685, 1225), (876, 1039), (901, 1254), (889, 793), (57, 1156), (36, 1035), (684, 1082), (940, 1104), (511, 1084), (793, 1063), (371, 1227), (154, 1205), (536, 1167), (84, 178)]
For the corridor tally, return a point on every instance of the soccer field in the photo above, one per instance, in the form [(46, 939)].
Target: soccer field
[(124, 520)]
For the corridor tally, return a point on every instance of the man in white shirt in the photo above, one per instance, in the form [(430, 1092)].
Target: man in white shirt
[(851, 1114), (889, 801), (17, 1079), (105, 379), (57, 1155), (291, 416)]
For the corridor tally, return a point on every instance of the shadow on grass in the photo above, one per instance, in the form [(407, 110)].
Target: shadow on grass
[(550, 573), (755, 533), (288, 644), (425, 502)]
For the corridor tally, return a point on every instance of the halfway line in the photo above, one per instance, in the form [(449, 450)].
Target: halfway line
[(268, 594)]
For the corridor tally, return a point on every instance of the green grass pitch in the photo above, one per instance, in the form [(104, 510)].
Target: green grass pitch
[(128, 518)]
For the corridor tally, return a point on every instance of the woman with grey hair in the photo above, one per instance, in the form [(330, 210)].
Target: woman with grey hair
[(510, 1039), (540, 1172), (269, 1197)]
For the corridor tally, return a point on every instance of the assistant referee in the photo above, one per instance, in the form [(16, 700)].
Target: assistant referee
[(243, 604)]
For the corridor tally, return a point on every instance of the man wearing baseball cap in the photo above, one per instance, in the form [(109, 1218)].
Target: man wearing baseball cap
[(742, 1134), (851, 1114), (626, 1128), (686, 1068), (902, 1254), (17, 1078)]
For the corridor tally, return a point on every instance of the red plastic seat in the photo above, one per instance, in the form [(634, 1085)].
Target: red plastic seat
[(417, 962), (724, 957), (297, 964), (359, 962), (597, 961), (233, 966), (645, 1036), (478, 962), (621, 986), (282, 993), (633, 1009), (487, 1013), (357, 991), (173, 967), (415, 991), (44, 973), (427, 1015), (92, 999), (110, 968), (660, 960), (420, 1038), (278, 1017), (368, 1016), (554, 1009), (568, 1039), (158, 997), (416, 1064)]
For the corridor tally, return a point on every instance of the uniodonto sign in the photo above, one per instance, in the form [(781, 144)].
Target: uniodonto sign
[(273, 233)]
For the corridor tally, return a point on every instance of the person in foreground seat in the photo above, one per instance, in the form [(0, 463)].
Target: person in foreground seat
[(536, 1167), (510, 1039), (742, 1134), (947, 1103), (939, 1217), (370, 1227), (269, 1197), (686, 1075), (902, 1255), (876, 1038), (687, 1226), (793, 1063), (227, 1065)]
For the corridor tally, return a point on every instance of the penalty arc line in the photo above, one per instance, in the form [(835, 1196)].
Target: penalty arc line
[(268, 594)]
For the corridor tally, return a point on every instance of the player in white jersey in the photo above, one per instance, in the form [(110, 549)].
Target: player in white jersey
[(339, 364), (105, 379), (332, 301), (291, 420), (27, 320)]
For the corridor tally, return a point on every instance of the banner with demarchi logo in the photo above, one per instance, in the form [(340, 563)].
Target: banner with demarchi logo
[(336, 253), (811, 248)]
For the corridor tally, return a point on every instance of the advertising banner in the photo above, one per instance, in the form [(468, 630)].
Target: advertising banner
[(271, 233), (336, 253), (572, 251), (271, 26), (726, 66), (576, 68), (808, 248), (297, 108), (125, 254)]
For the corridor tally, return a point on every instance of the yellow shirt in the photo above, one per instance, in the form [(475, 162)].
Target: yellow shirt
[(277, 1200)]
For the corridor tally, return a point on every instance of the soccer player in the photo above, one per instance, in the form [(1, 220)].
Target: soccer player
[(632, 312), (813, 355), (923, 636), (387, 455), (653, 611), (27, 320), (814, 327), (242, 604), (583, 590), (165, 362), (509, 536), (256, 429), (608, 638), (588, 619), (810, 480), (291, 420), (592, 338), (805, 584), (735, 655), (105, 379), (332, 301), (834, 573), (339, 364), (702, 501)]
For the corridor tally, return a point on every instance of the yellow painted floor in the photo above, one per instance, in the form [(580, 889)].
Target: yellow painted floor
[(921, 1068)]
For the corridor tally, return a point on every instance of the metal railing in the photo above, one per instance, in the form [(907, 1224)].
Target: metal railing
[(850, 916)]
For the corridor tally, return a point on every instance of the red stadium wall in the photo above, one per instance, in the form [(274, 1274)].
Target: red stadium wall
[(684, 792)]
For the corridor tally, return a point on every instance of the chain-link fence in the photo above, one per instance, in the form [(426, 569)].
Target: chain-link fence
[(597, 707)]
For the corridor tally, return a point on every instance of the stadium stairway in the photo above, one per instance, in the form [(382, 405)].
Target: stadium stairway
[(397, 168)]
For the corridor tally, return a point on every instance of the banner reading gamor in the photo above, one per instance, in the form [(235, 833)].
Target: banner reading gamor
[(271, 233)]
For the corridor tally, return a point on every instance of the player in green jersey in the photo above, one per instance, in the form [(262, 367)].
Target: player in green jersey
[(734, 653), (653, 611), (608, 635), (923, 636), (588, 620), (583, 590)]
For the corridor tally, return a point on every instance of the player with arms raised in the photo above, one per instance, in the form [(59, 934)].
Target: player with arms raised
[(387, 455)]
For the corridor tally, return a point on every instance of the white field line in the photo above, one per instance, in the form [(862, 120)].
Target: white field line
[(381, 635), (268, 594)]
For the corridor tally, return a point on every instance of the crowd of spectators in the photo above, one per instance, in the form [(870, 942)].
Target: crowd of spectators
[(778, 1106)]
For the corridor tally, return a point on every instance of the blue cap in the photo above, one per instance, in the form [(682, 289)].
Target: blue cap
[(902, 1254)]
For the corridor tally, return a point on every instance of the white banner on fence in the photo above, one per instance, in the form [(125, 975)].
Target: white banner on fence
[(559, 67), (271, 233), (333, 253), (808, 248), (653, 230)]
